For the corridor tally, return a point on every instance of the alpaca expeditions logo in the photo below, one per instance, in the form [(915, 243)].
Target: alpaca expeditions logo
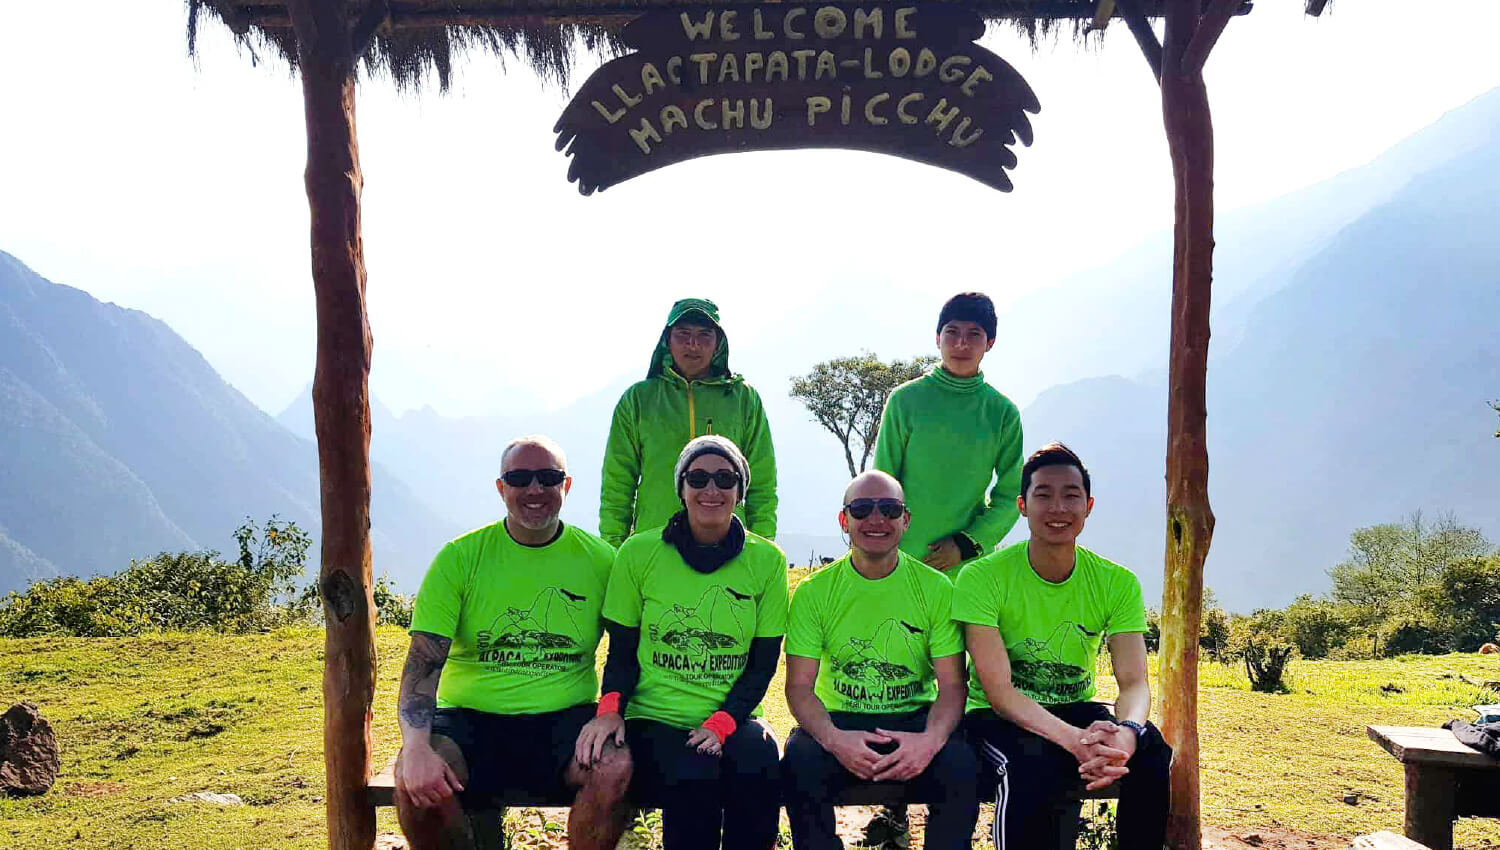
[(706, 642), (881, 671), (905, 80), (543, 638)]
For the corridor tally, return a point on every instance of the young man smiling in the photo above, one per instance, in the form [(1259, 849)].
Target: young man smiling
[(875, 679), (1034, 615), (688, 392), (946, 436)]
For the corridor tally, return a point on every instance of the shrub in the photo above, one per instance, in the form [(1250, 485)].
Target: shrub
[(180, 591), (392, 608), (1317, 627), (1260, 641)]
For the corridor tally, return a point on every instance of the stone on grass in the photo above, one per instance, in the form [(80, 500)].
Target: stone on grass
[(28, 752), (209, 797)]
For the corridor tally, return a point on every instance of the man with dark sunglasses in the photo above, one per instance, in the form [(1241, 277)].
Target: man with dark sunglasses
[(500, 680), (689, 392), (875, 679), (954, 443)]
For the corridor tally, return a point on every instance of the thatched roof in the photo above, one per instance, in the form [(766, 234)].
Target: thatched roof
[(410, 38)]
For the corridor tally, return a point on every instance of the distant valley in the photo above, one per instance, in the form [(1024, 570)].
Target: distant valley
[(1355, 348)]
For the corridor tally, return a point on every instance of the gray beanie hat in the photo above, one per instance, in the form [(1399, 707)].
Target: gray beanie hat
[(712, 444)]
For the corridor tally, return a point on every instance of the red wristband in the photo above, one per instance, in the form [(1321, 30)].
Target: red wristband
[(721, 724), (608, 704)]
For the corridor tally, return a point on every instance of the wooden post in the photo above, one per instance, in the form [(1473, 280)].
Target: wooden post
[(341, 412), (1190, 522), (1431, 792)]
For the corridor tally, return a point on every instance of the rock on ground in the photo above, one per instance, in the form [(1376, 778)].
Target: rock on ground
[(28, 751)]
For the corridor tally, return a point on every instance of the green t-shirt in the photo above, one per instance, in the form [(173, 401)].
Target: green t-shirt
[(1051, 631), (524, 620), (696, 628), (874, 639)]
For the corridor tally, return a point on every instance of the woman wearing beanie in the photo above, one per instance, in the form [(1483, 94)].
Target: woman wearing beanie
[(695, 617)]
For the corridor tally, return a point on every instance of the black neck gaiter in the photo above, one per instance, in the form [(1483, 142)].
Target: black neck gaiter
[(704, 559)]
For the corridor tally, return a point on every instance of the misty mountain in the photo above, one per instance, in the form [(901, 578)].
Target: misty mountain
[(118, 440), (1355, 396), (1124, 303)]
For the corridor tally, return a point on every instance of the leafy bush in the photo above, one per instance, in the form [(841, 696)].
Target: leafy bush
[(392, 608), (1317, 627), (1260, 641), (180, 591)]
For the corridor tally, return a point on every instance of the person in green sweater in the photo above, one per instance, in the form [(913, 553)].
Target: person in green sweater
[(688, 392), (949, 437)]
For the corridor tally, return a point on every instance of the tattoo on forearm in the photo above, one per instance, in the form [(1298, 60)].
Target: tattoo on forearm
[(419, 679)]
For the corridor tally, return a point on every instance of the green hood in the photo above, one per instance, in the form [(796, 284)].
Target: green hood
[(661, 359)]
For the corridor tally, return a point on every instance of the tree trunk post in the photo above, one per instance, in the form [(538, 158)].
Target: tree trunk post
[(1190, 521), (341, 412)]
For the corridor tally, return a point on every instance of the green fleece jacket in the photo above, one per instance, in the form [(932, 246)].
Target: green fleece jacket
[(656, 417), (946, 439)]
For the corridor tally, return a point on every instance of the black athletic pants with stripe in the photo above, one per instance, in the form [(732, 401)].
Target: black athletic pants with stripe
[(1031, 775), (814, 777)]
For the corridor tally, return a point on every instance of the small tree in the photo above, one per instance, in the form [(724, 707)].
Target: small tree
[(846, 395), (1260, 641)]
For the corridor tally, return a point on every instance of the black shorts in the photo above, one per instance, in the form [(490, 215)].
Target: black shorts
[(514, 754)]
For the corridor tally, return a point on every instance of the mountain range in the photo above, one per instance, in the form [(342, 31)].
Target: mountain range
[(1355, 347), (118, 440)]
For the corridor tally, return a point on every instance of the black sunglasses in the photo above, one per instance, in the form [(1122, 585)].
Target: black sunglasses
[(523, 477), (889, 508), (723, 479)]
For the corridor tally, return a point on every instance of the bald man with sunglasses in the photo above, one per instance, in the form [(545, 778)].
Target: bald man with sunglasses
[(875, 679), (500, 680)]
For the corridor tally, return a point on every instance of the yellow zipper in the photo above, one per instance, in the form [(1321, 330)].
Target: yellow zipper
[(692, 418)]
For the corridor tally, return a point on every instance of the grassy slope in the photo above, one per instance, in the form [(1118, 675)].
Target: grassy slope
[(143, 720)]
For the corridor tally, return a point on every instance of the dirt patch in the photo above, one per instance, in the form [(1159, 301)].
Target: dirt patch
[(92, 789), (1274, 838)]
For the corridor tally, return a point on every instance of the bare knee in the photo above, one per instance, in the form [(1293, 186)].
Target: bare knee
[(610, 774)]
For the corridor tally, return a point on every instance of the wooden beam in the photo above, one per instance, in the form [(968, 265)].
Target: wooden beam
[(1210, 27), (1190, 521), (341, 412), (417, 14), (1145, 36)]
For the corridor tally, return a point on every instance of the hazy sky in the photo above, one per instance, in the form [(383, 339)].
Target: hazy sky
[(131, 172)]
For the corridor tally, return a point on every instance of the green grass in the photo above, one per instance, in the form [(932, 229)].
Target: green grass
[(142, 720)]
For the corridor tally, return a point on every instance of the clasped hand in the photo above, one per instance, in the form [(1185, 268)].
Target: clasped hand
[(1102, 752), (913, 752)]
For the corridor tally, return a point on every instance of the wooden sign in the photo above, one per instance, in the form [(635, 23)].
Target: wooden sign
[(905, 80)]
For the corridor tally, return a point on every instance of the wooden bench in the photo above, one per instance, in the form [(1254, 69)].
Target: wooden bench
[(485, 821), (1445, 780), (1385, 841)]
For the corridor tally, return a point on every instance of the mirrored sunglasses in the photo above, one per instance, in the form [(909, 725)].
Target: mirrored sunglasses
[(862, 508)]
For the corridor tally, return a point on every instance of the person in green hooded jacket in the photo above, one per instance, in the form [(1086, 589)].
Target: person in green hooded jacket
[(688, 392)]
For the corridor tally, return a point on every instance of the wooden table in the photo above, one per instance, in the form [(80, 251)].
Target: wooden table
[(1444, 780)]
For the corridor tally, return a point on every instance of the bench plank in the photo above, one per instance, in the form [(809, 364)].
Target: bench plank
[(382, 792), (1386, 841), (1428, 745)]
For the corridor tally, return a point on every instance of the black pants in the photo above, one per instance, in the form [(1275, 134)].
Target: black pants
[(737, 793), (813, 777), (1032, 775)]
